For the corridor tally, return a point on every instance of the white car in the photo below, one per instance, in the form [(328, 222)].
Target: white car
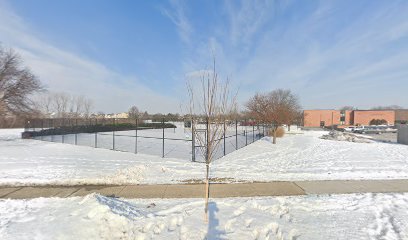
[(349, 129), (359, 129)]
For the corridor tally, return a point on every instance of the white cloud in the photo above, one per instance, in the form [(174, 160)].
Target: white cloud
[(178, 16), (65, 71), (359, 64), (247, 19), (318, 52)]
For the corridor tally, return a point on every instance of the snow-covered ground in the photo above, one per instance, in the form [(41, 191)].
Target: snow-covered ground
[(295, 157), (308, 157), (354, 216), (33, 162)]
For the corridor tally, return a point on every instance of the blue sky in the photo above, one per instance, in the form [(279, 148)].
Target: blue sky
[(123, 53)]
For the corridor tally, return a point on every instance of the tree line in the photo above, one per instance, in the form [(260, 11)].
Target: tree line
[(63, 105), (23, 96)]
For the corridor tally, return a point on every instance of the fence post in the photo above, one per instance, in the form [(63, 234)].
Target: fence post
[(96, 133), (76, 130), (163, 138), (224, 137), (63, 125), (263, 129), (42, 129), (137, 120), (113, 134), (27, 126), (246, 133), (236, 134), (192, 140), (52, 127), (253, 132), (259, 131)]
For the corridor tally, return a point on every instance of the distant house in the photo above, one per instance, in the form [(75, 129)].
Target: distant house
[(117, 115), (328, 118)]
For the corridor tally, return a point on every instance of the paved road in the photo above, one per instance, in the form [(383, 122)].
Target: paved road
[(216, 190)]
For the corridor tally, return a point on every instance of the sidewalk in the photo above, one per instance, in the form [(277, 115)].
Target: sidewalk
[(216, 190)]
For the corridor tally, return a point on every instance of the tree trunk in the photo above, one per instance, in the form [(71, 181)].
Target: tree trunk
[(288, 127), (207, 191), (274, 134)]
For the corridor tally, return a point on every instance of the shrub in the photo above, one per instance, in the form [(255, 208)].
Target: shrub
[(280, 132), (378, 122)]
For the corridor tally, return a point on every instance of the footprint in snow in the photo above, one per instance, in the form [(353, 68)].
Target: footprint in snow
[(147, 227), (140, 236), (158, 228), (180, 220), (239, 211), (248, 222), (173, 224), (228, 225)]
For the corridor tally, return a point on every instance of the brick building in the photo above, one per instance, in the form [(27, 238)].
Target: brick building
[(327, 118), (401, 116), (319, 118)]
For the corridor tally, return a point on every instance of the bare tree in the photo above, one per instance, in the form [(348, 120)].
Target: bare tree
[(391, 107), (134, 112), (295, 118), (347, 108), (44, 104), (88, 104), (213, 103), (63, 105), (276, 108), (17, 84), (61, 101), (76, 106)]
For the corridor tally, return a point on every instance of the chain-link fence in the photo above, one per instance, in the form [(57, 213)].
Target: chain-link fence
[(172, 139)]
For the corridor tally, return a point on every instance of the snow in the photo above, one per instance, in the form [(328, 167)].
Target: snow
[(302, 156), (33, 162), (10, 134), (349, 137), (308, 157), (353, 216)]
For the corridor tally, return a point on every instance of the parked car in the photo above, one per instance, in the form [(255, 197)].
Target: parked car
[(359, 129), (349, 129), (374, 129)]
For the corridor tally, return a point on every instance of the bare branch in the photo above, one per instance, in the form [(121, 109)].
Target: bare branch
[(17, 84)]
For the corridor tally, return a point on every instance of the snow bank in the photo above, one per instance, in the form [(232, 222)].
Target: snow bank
[(348, 137), (362, 216), (10, 134)]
